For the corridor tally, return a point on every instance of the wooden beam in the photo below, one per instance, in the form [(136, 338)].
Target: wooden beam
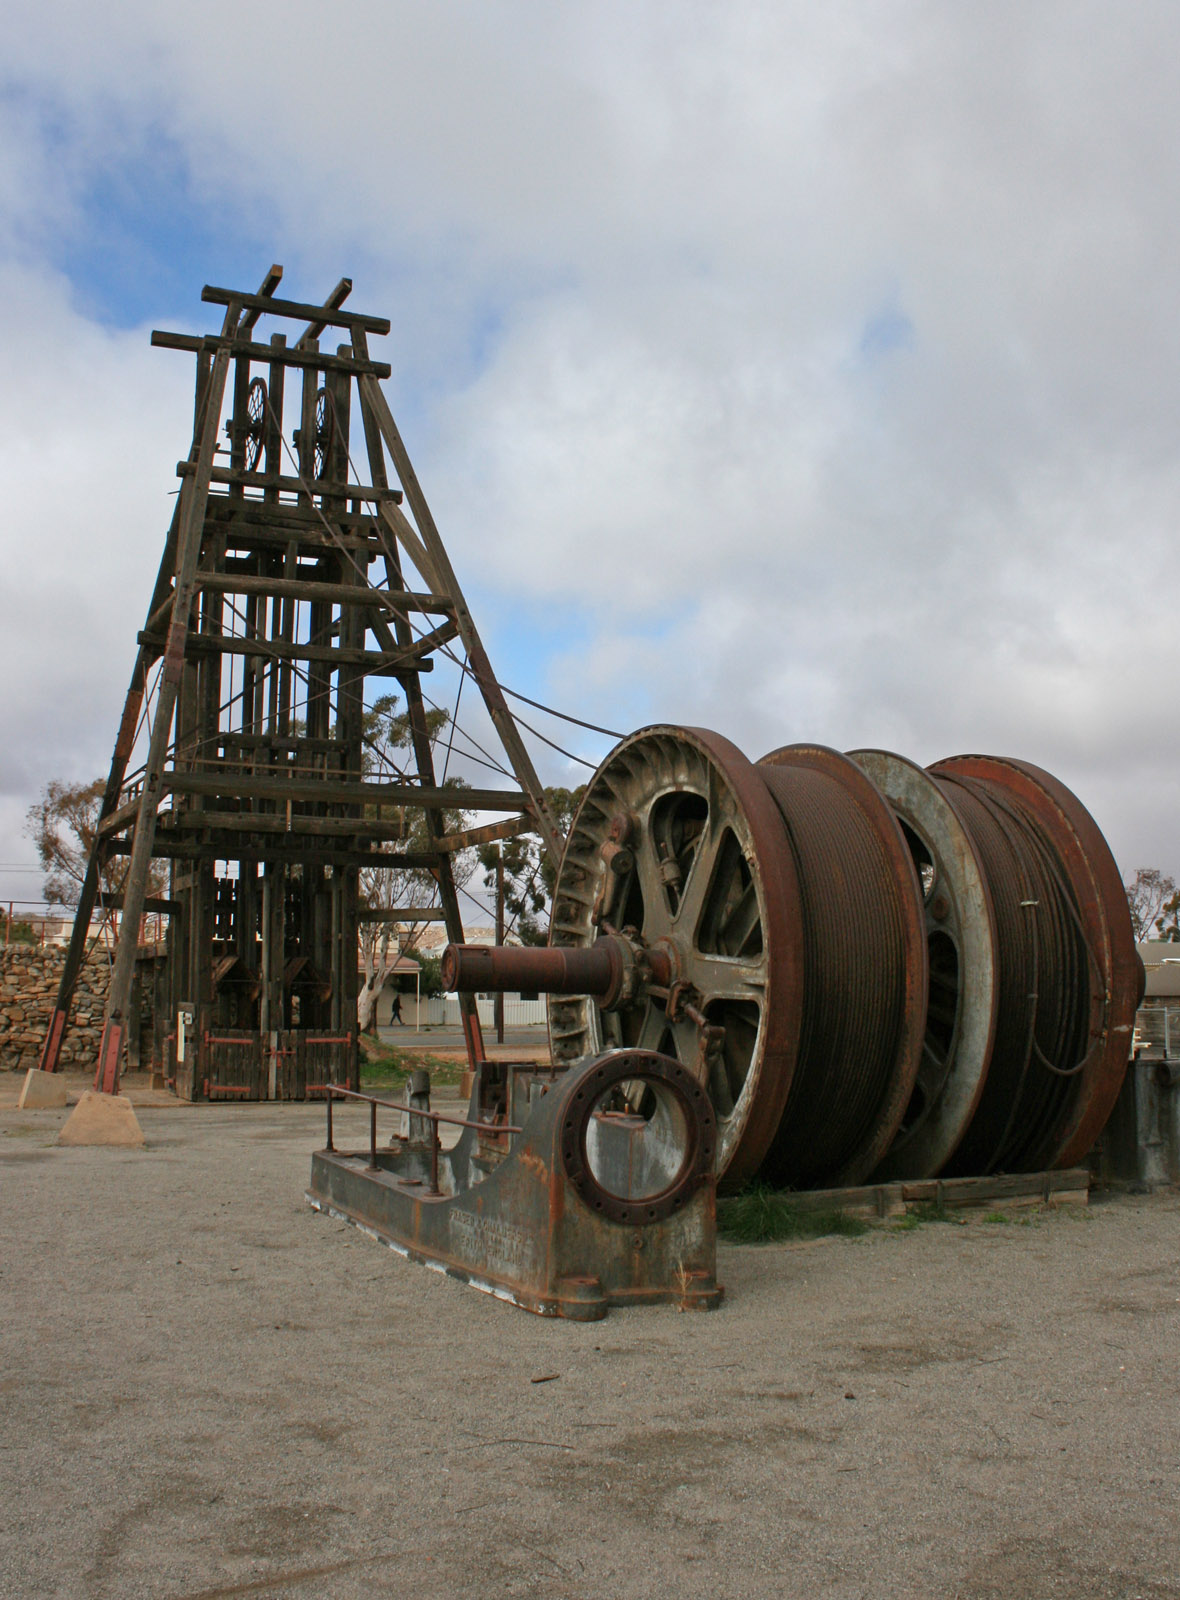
[(442, 576), (117, 820), (332, 792), (374, 663), (363, 545), (270, 515), (277, 480), (265, 292), (283, 355), (402, 914), (169, 846), (114, 902), (403, 529), (191, 517), (301, 824), (333, 303), (486, 835), (350, 594), (327, 316)]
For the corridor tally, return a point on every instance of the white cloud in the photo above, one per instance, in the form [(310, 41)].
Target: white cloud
[(822, 358)]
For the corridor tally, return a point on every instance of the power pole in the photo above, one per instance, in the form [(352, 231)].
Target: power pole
[(498, 1003)]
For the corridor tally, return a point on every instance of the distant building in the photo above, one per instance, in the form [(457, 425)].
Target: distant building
[(1157, 1022)]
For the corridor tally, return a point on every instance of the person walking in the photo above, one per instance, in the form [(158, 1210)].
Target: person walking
[(395, 1014)]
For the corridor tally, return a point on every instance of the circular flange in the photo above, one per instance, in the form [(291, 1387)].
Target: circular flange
[(692, 1142), (961, 942), (678, 843), (865, 985), (1100, 902)]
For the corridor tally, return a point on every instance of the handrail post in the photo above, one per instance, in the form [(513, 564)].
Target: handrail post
[(372, 1136), (434, 1144), (331, 1148)]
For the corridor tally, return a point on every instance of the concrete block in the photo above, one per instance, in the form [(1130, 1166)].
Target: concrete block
[(42, 1090), (102, 1119)]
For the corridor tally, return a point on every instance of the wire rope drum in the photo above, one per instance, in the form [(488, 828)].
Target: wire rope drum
[(1068, 979), (865, 970), (961, 947), (679, 856), (872, 971)]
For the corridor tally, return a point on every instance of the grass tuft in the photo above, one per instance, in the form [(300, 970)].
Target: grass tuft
[(763, 1216), (1011, 1219), (385, 1066)]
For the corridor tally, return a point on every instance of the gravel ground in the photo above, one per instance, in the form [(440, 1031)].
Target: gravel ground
[(210, 1390)]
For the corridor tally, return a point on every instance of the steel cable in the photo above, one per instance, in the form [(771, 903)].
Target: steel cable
[(1042, 1023), (845, 1086)]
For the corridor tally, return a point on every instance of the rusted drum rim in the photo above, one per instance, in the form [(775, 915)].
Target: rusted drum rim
[(626, 1069), (1101, 904), (653, 789), (880, 970), (960, 919)]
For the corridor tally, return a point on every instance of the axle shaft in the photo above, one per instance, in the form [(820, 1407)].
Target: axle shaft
[(475, 968)]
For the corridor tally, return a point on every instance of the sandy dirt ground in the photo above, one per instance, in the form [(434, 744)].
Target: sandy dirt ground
[(207, 1389)]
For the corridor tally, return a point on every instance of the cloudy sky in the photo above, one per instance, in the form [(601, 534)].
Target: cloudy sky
[(807, 372)]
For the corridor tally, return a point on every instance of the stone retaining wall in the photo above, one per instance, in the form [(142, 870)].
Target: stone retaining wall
[(29, 976)]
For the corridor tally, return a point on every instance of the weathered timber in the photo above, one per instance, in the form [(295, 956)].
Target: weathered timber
[(115, 821), (191, 510), (373, 663), (444, 578), (289, 357), (248, 787), (263, 520), (329, 593), (419, 724), (266, 290), (286, 485), (322, 316), (299, 824), (110, 901), (1061, 1187), (488, 834), (172, 845), (402, 914), (333, 303), (264, 612)]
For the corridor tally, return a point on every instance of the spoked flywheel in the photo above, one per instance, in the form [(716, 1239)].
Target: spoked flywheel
[(679, 856), (324, 432), (256, 401)]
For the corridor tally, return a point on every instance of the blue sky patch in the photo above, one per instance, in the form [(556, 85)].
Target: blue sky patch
[(886, 331)]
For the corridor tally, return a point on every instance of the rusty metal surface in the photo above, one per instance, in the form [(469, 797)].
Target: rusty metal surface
[(573, 1203), (961, 940), (871, 969), (480, 968), (864, 1003), (1095, 907), (679, 846)]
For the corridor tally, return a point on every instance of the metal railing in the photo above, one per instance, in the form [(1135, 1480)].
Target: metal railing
[(334, 1092)]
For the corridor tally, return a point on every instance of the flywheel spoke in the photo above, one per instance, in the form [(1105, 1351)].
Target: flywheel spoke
[(724, 978), (657, 917), (700, 880)]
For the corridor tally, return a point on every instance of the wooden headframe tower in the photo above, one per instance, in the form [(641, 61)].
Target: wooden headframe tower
[(286, 583)]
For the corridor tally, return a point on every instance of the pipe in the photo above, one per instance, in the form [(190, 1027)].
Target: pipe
[(476, 968)]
